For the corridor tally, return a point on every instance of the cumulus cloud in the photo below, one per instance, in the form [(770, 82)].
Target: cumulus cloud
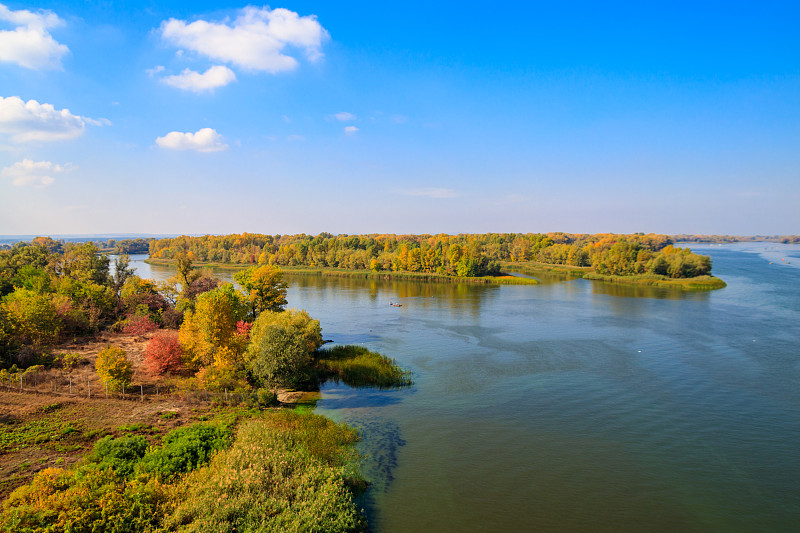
[(189, 80), (32, 121), (29, 44), (29, 173), (257, 39), (204, 140), (350, 130), (430, 192), (344, 116)]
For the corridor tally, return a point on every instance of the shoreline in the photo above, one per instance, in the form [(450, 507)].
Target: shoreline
[(367, 274), (568, 272)]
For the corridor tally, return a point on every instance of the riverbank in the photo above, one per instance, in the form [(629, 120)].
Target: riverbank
[(366, 274), (69, 448)]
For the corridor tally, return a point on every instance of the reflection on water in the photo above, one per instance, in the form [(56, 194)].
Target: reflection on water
[(575, 406)]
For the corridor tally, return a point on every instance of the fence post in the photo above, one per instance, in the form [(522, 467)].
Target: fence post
[(141, 391), (123, 391), (21, 377), (70, 384), (156, 391), (106, 390)]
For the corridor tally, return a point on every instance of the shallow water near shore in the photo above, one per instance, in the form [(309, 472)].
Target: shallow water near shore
[(575, 405)]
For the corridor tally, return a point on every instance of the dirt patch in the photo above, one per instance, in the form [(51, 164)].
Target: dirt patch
[(60, 413), (44, 430)]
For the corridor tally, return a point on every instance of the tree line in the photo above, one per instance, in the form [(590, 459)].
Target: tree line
[(216, 336), (463, 255)]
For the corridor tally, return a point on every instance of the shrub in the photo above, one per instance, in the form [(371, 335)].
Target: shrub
[(286, 472), (119, 454), (163, 354), (113, 366), (85, 500), (185, 449), (139, 325)]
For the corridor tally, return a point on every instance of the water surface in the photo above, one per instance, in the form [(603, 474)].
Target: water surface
[(577, 406)]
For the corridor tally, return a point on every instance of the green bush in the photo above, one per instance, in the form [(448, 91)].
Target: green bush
[(285, 472), (185, 449), (120, 454)]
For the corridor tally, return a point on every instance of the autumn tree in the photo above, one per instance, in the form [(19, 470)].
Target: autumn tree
[(265, 288), (113, 367), (207, 332)]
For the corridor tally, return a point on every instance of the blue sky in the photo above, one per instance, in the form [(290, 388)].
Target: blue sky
[(375, 117)]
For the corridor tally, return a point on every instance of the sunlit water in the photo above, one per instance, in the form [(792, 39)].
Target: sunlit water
[(577, 406)]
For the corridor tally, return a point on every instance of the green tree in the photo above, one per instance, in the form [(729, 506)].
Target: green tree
[(279, 358), (122, 271), (300, 322), (33, 317), (185, 271), (265, 288)]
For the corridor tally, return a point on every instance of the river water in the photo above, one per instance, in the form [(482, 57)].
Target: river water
[(576, 406)]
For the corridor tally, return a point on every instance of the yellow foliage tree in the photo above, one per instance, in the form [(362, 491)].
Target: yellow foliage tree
[(113, 367)]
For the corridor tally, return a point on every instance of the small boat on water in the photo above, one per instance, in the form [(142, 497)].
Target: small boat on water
[(395, 305)]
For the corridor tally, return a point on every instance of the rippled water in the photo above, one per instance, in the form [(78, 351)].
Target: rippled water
[(578, 406)]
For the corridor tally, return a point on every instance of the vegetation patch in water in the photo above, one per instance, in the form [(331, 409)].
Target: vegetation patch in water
[(357, 366)]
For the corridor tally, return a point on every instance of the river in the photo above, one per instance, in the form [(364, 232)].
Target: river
[(576, 406)]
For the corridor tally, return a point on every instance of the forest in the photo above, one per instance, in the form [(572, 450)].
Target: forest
[(464, 255)]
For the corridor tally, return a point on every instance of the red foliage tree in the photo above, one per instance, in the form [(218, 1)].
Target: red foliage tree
[(163, 354)]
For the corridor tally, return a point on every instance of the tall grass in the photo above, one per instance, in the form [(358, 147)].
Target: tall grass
[(286, 472), (356, 366), (698, 283)]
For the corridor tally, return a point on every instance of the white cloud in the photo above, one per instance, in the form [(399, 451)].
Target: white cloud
[(399, 119), (430, 192), (295, 138), (32, 121), (204, 140), (155, 70), (350, 130), (256, 40), (29, 173), (29, 44), (344, 116), (189, 80)]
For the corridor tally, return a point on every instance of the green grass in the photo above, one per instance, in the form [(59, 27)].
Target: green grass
[(356, 366), (534, 268), (47, 431)]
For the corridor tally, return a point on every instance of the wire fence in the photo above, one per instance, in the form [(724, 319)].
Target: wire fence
[(88, 386)]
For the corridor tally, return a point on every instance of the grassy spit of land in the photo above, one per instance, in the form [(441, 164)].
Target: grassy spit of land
[(697, 283)]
